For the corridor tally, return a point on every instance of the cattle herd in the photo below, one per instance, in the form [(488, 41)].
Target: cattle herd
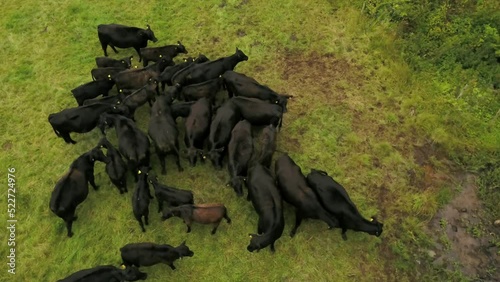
[(214, 130)]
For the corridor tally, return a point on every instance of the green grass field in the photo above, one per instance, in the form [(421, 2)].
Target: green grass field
[(358, 112)]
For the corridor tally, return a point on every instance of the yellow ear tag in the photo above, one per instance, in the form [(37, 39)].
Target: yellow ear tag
[(139, 172), (109, 75), (121, 91), (161, 56), (123, 266), (371, 219), (250, 236)]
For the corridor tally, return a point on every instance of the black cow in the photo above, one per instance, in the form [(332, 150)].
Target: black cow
[(132, 142), (207, 89), (174, 197), (105, 62), (137, 78), (113, 100), (116, 168), (141, 198), (141, 96), (147, 254), (80, 119), (105, 73), (268, 204), (166, 75), (153, 54), (239, 84), (181, 109), (267, 145), (91, 90), (116, 35), (240, 150), (163, 131), (72, 189), (106, 273), (225, 119), (295, 191), (213, 69), (336, 201), (197, 129), (258, 112), (180, 75)]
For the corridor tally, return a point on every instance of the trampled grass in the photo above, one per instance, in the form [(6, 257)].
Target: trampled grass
[(347, 117)]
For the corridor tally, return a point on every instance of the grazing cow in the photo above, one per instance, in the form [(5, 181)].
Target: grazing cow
[(268, 204), (201, 213), (163, 131), (225, 119), (137, 78), (106, 273), (116, 168), (239, 84), (295, 191), (80, 119), (142, 195), (336, 201), (153, 54), (141, 96), (113, 100), (72, 189), (174, 197), (105, 62), (147, 254), (258, 112), (116, 35), (240, 150), (181, 109), (268, 145), (197, 129), (133, 144), (91, 90), (213, 69), (105, 73), (207, 89), (179, 76)]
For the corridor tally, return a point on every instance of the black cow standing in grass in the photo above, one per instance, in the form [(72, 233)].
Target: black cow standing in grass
[(106, 73), (337, 202), (106, 273), (201, 213), (166, 77), (104, 62), (258, 112), (91, 90), (72, 189), (132, 142), (268, 204), (121, 36), (137, 78), (116, 168), (140, 96), (207, 89), (295, 191), (267, 146), (147, 254), (141, 198), (197, 129), (172, 196), (223, 123), (153, 54), (213, 69), (240, 150), (80, 119), (163, 131), (239, 84)]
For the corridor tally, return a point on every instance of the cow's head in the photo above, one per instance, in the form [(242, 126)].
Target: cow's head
[(240, 55), (132, 273), (103, 143), (152, 178), (170, 213), (282, 100), (97, 155), (126, 62), (215, 157), (237, 184), (105, 121), (184, 250), (377, 231), (148, 34), (193, 154), (255, 242), (201, 59), (181, 48)]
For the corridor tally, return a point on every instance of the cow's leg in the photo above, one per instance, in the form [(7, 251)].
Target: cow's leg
[(272, 247), (216, 225), (145, 63), (178, 157), (146, 220), (171, 264), (132, 166), (138, 50), (161, 157), (189, 227), (344, 237), (227, 218), (67, 138), (113, 47), (92, 181), (160, 204), (298, 220), (69, 225), (104, 48)]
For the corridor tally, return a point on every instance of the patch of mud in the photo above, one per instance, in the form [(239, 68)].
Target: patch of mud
[(7, 145), (240, 33), (451, 229)]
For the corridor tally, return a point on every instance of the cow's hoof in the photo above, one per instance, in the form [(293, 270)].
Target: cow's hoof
[(70, 234), (75, 218)]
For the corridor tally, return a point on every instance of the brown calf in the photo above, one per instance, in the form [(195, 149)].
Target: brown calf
[(202, 213)]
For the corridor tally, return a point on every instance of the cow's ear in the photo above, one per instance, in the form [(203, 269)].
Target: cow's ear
[(148, 27)]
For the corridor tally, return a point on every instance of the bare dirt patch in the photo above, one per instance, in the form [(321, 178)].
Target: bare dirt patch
[(7, 145), (453, 227)]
